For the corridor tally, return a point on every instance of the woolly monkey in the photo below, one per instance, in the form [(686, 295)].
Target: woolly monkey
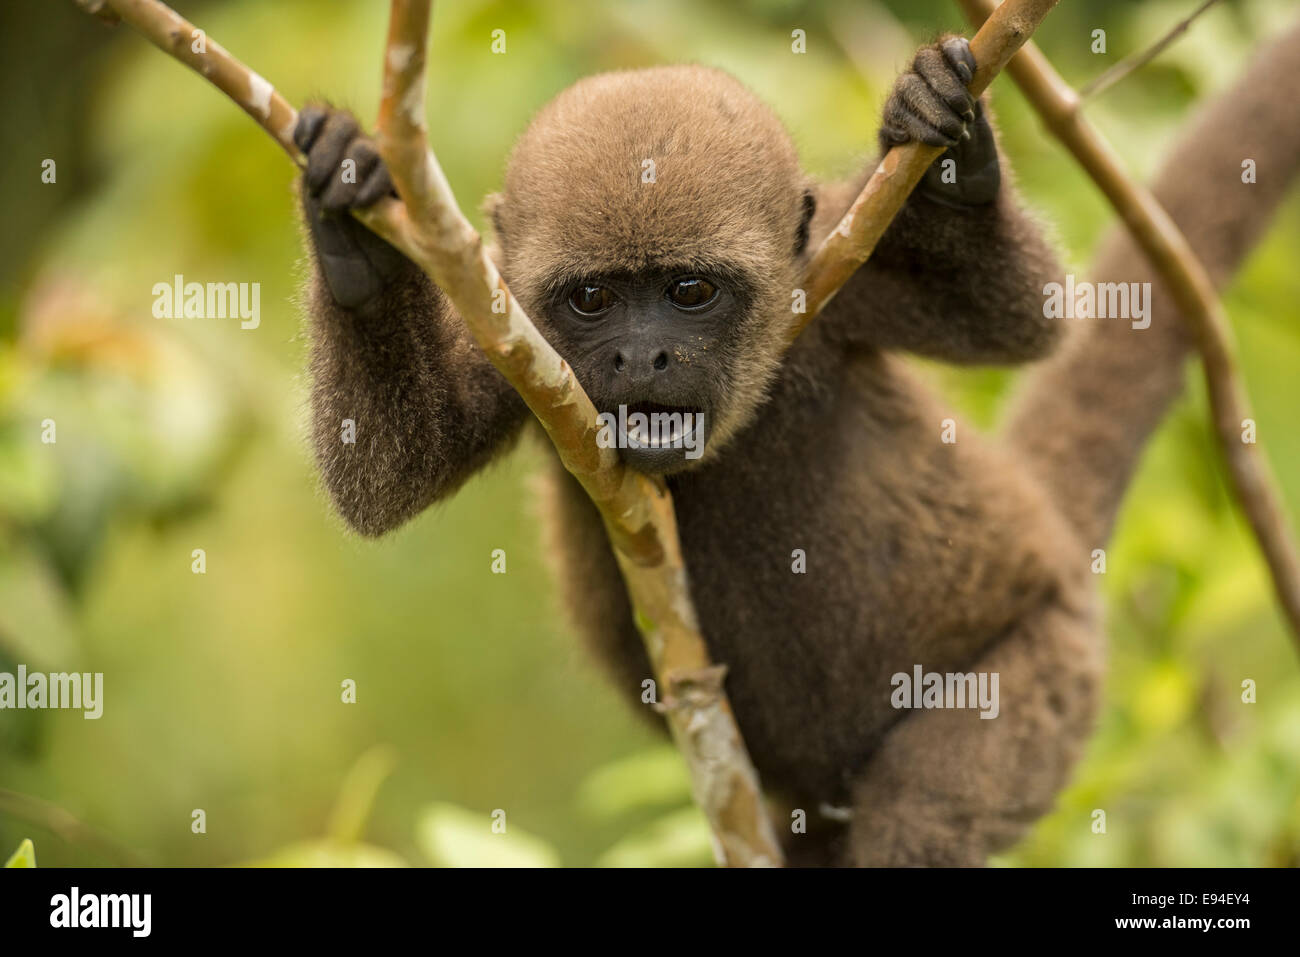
[(670, 293)]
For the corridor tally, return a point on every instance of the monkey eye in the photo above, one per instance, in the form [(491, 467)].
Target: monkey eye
[(588, 300), (691, 292)]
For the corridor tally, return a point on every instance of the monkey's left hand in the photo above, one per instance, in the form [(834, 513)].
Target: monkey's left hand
[(930, 104)]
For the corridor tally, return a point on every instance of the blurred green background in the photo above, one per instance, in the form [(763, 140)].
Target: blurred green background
[(222, 690)]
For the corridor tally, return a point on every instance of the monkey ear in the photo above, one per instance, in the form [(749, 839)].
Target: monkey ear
[(492, 208), (805, 221)]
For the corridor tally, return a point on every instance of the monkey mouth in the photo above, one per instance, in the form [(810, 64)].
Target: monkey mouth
[(654, 426), (657, 438)]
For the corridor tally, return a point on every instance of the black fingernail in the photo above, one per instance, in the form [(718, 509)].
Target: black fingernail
[(965, 134), (970, 116), (966, 74)]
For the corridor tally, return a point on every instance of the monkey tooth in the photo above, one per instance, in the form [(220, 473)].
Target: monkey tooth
[(653, 428)]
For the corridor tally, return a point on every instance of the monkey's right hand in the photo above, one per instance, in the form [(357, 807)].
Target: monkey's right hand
[(357, 264)]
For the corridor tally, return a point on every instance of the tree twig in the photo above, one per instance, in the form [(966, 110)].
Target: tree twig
[(1192, 290), (1109, 78)]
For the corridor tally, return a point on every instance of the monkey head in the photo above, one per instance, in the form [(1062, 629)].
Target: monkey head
[(653, 224)]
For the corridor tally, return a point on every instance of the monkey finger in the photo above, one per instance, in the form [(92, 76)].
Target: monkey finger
[(325, 160), (892, 135), (310, 120), (933, 67), (920, 131), (366, 154), (958, 52), (358, 161), (377, 185), (920, 110)]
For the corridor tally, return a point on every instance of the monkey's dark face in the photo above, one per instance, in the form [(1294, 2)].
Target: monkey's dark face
[(652, 349)]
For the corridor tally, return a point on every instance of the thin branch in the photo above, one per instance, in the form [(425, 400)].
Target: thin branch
[(1095, 86), (1192, 290), (851, 242)]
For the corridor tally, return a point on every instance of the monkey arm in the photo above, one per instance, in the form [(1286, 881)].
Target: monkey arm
[(426, 407), (405, 406), (960, 283), (959, 273)]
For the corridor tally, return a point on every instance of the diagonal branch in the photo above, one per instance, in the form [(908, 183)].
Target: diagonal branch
[(1193, 291)]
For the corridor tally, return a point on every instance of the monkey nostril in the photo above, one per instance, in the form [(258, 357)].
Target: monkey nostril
[(618, 362), (661, 362)]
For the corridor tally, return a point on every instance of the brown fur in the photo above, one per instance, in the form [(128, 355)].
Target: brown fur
[(951, 556)]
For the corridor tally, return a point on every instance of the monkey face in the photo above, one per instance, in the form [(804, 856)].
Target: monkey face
[(653, 349), (652, 224)]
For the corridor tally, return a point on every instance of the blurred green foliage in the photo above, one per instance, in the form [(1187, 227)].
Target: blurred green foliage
[(223, 689)]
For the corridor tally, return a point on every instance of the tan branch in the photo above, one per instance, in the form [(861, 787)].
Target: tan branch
[(1192, 290), (853, 240), (428, 226)]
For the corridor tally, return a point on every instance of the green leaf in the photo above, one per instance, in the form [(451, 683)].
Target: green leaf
[(25, 856), (452, 836)]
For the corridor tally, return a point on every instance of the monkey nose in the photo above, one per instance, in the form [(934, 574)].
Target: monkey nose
[(659, 362)]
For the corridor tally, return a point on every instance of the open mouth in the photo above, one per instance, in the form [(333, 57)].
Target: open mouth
[(650, 425)]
